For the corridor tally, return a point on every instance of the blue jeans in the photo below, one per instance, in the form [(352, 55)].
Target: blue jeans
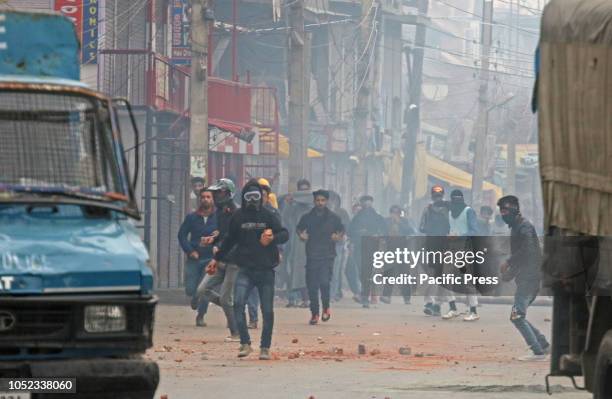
[(263, 280), (194, 274), (532, 336), (252, 305)]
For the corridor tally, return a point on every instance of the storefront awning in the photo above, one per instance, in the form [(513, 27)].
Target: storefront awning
[(241, 131), (444, 171), (283, 148)]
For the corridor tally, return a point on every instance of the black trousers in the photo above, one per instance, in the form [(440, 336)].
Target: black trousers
[(318, 279)]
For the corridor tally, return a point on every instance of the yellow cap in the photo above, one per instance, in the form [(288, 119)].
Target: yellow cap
[(263, 182)]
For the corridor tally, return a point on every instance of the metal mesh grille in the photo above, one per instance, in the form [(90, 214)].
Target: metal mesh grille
[(53, 140)]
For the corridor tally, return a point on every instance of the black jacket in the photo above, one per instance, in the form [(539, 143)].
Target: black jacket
[(320, 228), (526, 257), (435, 219), (245, 229), (367, 222)]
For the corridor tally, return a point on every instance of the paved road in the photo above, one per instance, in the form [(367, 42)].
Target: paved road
[(449, 359)]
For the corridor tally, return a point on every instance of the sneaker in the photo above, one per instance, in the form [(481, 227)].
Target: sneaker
[(245, 350), (428, 309), (252, 325), (304, 305), (472, 317), (546, 349), (533, 358), (264, 354), (314, 320), (450, 315), (200, 321), (326, 315), (232, 338), (385, 299)]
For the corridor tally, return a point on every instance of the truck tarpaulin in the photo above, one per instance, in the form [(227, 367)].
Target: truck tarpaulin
[(574, 122)]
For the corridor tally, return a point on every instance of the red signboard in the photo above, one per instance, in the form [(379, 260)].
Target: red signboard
[(72, 9)]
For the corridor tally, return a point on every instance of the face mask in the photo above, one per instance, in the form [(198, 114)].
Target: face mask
[(510, 218)]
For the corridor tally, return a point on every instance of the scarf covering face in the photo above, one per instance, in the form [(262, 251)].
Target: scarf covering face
[(457, 206)]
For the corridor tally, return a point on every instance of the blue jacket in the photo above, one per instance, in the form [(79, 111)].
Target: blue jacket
[(193, 229)]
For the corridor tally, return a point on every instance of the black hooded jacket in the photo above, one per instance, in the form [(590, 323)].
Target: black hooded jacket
[(245, 229)]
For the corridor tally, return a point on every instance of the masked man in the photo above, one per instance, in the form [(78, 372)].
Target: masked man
[(255, 233)]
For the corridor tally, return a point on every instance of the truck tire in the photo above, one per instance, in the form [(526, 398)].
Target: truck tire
[(602, 388)]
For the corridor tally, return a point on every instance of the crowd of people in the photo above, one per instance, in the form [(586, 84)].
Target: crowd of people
[(300, 247)]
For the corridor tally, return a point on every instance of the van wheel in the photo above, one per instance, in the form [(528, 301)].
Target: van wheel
[(603, 369)]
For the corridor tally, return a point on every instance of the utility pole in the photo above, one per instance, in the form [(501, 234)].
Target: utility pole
[(364, 88), (298, 72), (414, 60), (483, 107), (198, 129)]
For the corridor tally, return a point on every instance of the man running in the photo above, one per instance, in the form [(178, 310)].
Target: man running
[(320, 229), (256, 234), (218, 287), (196, 237)]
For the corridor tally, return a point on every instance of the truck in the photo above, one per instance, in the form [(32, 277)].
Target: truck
[(76, 284), (573, 98)]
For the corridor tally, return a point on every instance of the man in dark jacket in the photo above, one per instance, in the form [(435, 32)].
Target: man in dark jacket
[(435, 224), (218, 287), (366, 223), (196, 236), (398, 228), (256, 234), (524, 267), (320, 229)]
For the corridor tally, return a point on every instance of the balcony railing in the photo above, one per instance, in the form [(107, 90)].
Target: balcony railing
[(149, 79)]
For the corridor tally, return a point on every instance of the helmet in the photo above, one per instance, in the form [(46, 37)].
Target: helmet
[(224, 184)]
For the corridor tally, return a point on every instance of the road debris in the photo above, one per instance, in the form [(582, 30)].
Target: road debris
[(404, 350)]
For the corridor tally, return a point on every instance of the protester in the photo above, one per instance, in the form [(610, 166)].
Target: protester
[(197, 184), (196, 237), (253, 301), (256, 234), (321, 229), (335, 205), (523, 267), (295, 254), (218, 288), (366, 223), (352, 271), (463, 224), (398, 228), (434, 224)]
